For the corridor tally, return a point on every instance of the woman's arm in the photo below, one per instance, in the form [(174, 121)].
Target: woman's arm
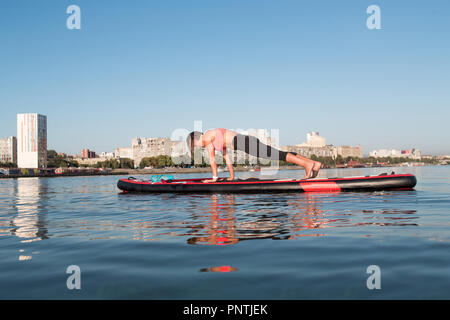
[(229, 165), (212, 162)]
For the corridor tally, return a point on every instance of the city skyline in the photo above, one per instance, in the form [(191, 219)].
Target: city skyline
[(313, 139), (143, 70)]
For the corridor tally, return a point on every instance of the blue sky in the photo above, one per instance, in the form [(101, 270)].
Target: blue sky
[(145, 68)]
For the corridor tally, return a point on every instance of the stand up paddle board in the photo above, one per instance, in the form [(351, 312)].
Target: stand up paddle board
[(253, 185)]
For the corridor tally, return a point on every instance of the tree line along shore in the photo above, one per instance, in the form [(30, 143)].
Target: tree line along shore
[(58, 165)]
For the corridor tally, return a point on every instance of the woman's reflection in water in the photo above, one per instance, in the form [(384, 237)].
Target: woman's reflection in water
[(268, 219), (221, 227), (307, 215), (227, 219)]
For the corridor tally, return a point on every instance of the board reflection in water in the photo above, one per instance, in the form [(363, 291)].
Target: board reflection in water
[(226, 219)]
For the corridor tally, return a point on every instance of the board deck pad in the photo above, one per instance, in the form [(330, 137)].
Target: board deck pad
[(254, 185)]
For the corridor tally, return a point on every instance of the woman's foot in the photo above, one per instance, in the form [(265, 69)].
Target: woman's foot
[(315, 169), (308, 169)]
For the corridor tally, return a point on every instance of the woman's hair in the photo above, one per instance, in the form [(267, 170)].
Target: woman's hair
[(190, 140)]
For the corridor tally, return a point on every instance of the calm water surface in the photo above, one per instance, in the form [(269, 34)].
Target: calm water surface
[(224, 246)]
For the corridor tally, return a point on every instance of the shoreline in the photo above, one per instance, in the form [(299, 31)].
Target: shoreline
[(42, 175), (118, 172)]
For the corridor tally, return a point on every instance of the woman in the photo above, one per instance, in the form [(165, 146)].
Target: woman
[(221, 139)]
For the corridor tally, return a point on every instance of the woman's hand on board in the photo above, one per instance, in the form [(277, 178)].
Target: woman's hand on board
[(209, 180)]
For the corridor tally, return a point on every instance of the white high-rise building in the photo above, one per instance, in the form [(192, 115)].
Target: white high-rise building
[(314, 140), (31, 140)]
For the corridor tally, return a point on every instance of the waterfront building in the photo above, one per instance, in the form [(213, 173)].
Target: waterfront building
[(349, 151), (107, 155), (416, 154), (382, 153), (393, 153), (121, 153), (8, 150), (31, 140), (314, 140), (87, 161), (88, 154), (308, 152), (150, 147), (179, 149), (315, 145)]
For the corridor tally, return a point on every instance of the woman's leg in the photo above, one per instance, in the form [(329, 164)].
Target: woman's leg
[(253, 146), (308, 164)]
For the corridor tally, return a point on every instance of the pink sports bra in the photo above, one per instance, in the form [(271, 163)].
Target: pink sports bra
[(219, 140)]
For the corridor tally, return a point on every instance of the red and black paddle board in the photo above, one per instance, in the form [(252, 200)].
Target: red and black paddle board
[(253, 185)]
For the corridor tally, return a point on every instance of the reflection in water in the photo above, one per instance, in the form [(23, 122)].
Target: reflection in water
[(86, 211), (220, 228), (28, 224), (226, 219), (201, 219), (301, 213), (219, 269)]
